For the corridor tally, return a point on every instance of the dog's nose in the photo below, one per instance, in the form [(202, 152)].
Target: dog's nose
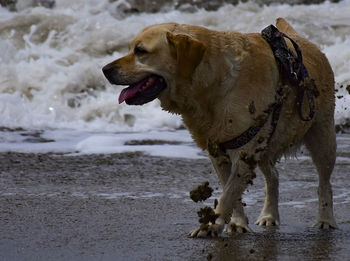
[(110, 71)]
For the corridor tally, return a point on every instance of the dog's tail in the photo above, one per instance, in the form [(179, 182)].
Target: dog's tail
[(284, 27)]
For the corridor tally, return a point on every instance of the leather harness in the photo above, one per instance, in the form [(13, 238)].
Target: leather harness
[(292, 71)]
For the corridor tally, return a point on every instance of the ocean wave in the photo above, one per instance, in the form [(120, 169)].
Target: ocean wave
[(52, 55)]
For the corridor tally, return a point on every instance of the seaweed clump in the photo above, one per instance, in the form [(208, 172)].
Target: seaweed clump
[(201, 193), (207, 215)]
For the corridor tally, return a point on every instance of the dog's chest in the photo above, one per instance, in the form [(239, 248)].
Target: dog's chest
[(216, 128)]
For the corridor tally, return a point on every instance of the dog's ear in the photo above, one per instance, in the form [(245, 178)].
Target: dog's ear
[(188, 52)]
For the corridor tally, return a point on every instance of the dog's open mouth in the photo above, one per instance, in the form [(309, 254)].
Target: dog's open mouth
[(143, 91)]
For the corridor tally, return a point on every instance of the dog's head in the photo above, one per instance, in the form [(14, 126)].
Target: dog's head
[(157, 61)]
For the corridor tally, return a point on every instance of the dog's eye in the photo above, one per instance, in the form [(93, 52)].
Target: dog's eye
[(139, 50)]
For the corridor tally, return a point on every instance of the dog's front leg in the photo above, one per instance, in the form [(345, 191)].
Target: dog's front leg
[(230, 208), (223, 166), (230, 202)]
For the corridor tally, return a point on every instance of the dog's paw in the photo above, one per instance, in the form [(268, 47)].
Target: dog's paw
[(267, 221), (209, 230), (326, 225), (238, 225)]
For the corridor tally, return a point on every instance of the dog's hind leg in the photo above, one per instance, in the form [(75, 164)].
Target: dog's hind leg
[(269, 215), (321, 142)]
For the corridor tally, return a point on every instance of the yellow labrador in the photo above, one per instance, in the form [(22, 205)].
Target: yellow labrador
[(221, 83)]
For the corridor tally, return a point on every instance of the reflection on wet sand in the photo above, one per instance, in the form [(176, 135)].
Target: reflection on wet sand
[(312, 244)]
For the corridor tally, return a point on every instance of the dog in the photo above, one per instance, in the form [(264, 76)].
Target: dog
[(221, 83)]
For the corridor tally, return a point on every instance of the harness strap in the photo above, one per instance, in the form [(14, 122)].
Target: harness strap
[(274, 108), (293, 70), (240, 140)]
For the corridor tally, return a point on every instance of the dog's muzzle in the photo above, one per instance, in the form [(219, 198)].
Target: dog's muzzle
[(140, 91), (110, 71)]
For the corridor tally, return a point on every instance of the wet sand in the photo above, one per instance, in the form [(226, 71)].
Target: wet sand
[(136, 207)]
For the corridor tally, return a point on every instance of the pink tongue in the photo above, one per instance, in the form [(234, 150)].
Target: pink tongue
[(131, 91), (127, 93)]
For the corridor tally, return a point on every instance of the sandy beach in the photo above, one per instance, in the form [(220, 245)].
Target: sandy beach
[(136, 207)]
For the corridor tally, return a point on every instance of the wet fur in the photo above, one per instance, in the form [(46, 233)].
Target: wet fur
[(212, 77)]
